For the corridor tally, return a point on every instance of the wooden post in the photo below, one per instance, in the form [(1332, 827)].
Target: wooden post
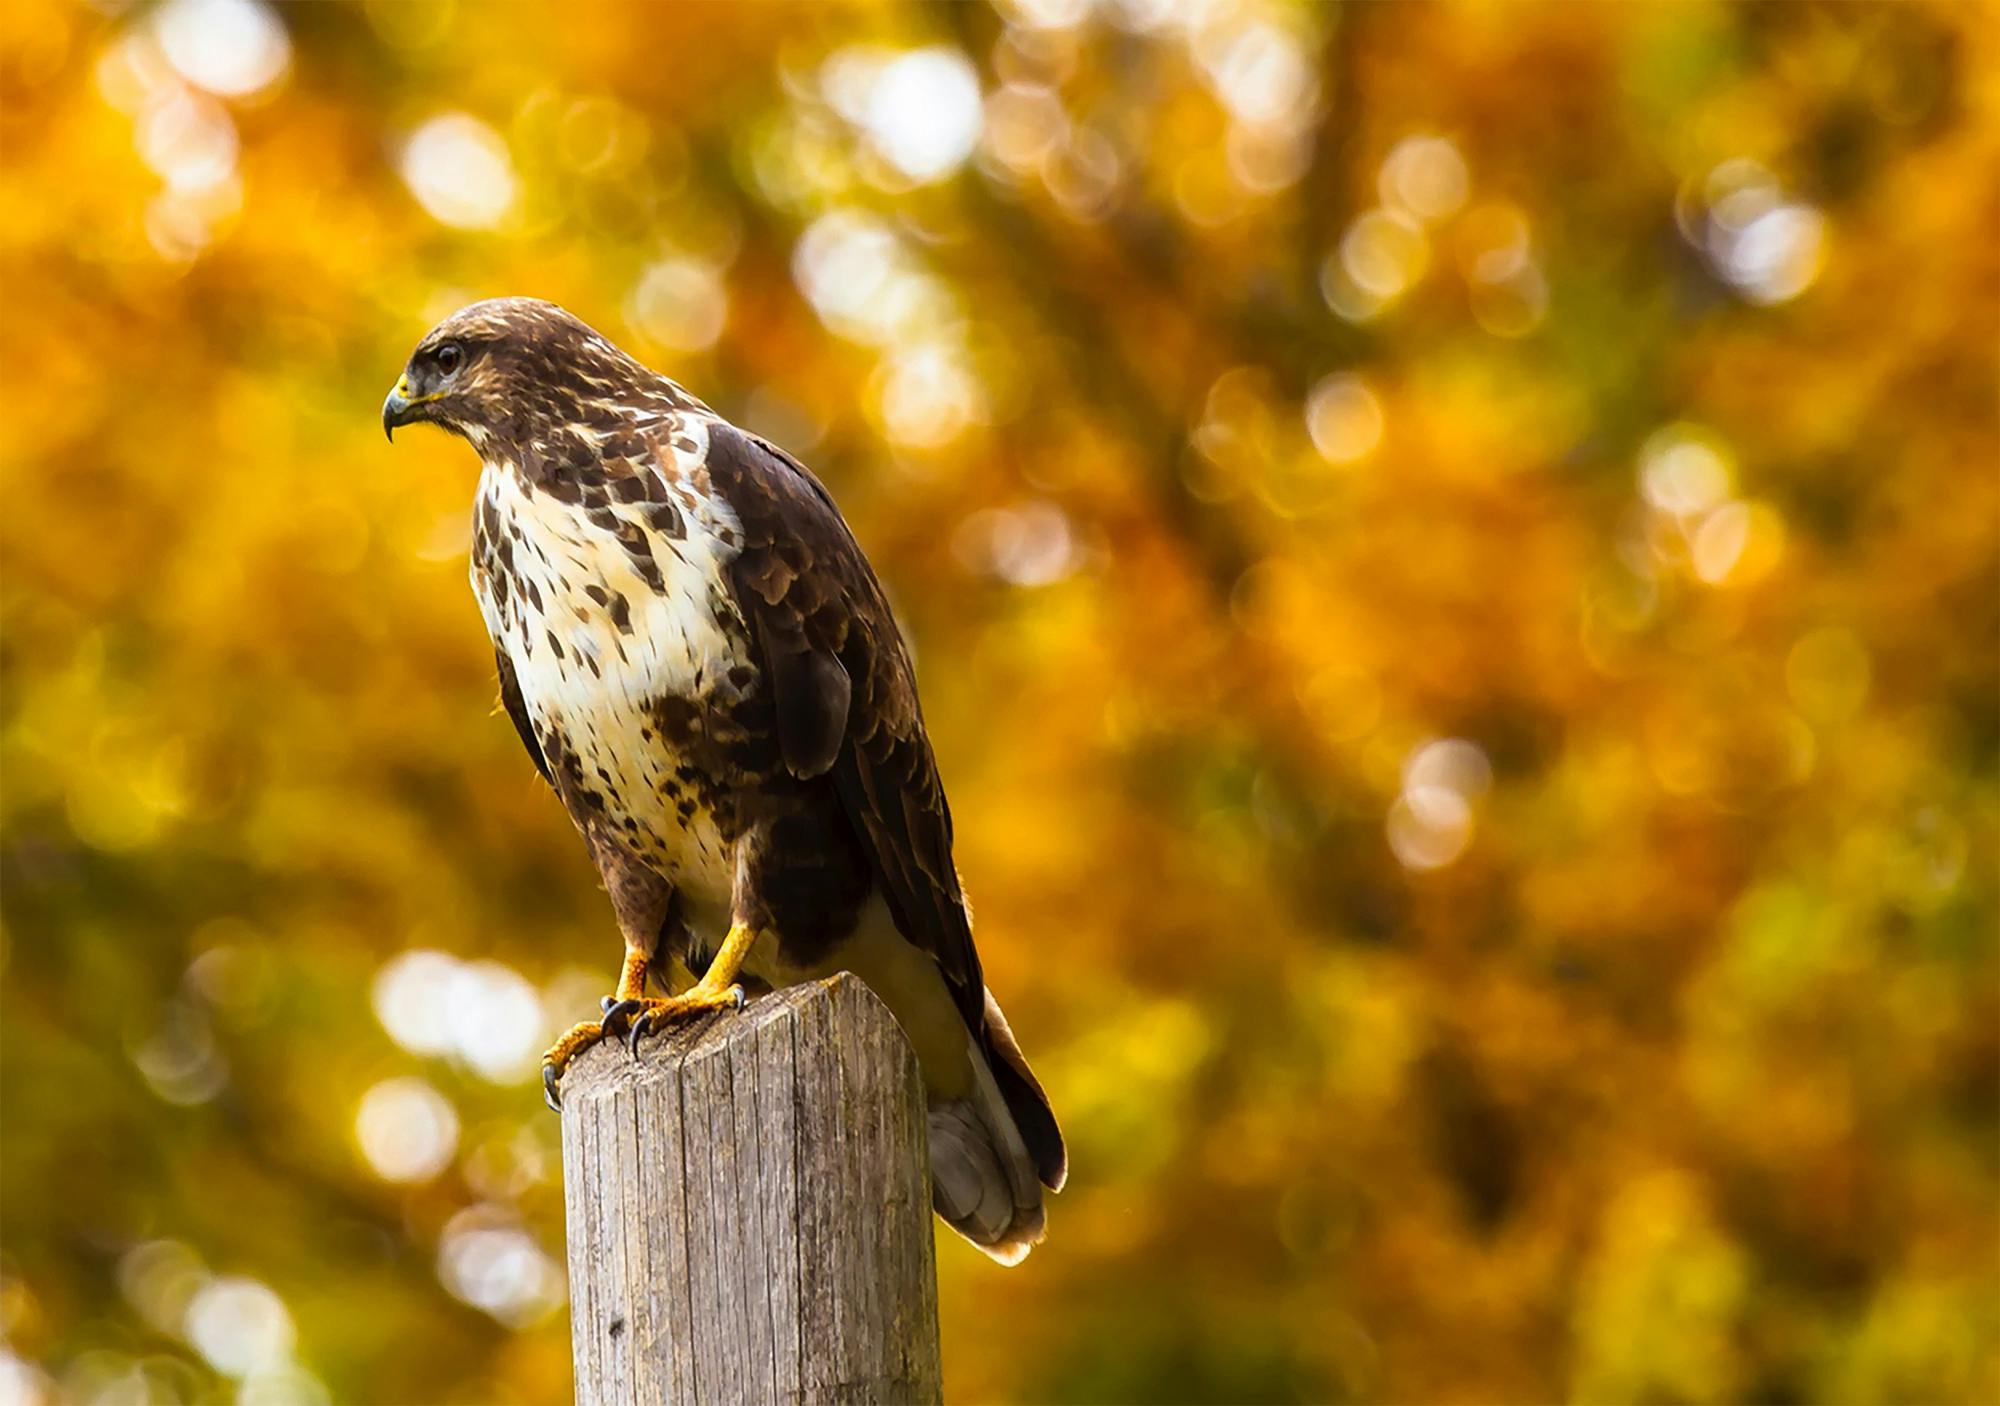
[(750, 1210)]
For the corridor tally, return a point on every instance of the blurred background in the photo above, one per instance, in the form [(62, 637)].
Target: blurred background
[(1453, 553)]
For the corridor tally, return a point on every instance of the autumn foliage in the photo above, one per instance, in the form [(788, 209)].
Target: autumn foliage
[(1453, 554)]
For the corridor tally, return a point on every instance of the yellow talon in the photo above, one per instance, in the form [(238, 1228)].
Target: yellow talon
[(655, 1012), (575, 1040), (633, 1011)]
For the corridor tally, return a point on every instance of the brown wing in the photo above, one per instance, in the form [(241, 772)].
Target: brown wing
[(517, 709), (846, 695)]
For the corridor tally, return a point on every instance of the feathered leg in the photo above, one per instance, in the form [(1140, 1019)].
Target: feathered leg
[(645, 906), (719, 985)]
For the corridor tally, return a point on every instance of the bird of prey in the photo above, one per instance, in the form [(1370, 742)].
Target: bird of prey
[(702, 664)]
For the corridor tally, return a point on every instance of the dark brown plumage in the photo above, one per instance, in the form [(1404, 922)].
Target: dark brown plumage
[(701, 662)]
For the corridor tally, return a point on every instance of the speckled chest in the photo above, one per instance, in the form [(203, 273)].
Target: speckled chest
[(608, 592)]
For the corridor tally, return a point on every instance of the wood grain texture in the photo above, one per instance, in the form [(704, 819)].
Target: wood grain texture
[(749, 1210)]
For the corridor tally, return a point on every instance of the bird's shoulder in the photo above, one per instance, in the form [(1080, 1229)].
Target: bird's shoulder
[(796, 555)]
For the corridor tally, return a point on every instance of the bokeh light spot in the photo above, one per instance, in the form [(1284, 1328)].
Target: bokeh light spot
[(863, 283), (1431, 822), (160, 1278), (679, 303), (483, 1013), (496, 1021), (1719, 542), (408, 1131), (1344, 418), (180, 1059), (927, 395), (1259, 70), (460, 171), (1383, 253), (1429, 827), (1776, 256), (189, 140), (1048, 14), (239, 1325), (1682, 471), (232, 48), (411, 995), (1452, 763), (486, 1259), (1424, 178), (1030, 544), (1024, 124), (22, 1383), (287, 1384), (920, 110), (1768, 248)]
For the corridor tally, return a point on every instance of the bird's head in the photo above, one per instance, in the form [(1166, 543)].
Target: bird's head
[(501, 370)]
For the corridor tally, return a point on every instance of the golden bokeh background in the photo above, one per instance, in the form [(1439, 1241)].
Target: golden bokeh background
[(1454, 558)]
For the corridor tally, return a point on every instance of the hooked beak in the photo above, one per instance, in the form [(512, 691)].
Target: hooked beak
[(402, 407)]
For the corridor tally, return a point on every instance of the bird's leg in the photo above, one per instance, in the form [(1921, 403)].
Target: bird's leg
[(585, 1033), (649, 919), (718, 985), (717, 988)]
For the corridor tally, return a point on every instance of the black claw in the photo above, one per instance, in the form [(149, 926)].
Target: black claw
[(607, 1003), (741, 999), (638, 1028), (616, 1013), (549, 1094)]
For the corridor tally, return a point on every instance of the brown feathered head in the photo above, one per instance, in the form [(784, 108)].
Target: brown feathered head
[(510, 372)]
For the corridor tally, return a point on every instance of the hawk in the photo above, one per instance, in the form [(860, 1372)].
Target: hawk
[(702, 664)]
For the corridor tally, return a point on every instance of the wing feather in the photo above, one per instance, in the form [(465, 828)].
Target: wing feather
[(846, 694), (517, 709)]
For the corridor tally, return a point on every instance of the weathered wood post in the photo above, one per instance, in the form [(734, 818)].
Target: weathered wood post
[(750, 1212)]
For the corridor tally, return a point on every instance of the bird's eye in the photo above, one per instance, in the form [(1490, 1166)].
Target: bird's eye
[(448, 357)]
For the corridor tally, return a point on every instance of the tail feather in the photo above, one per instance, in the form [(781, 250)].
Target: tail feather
[(972, 1191), (1033, 1117), (986, 1176)]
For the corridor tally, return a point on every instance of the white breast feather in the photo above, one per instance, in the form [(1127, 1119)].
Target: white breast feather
[(676, 647)]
